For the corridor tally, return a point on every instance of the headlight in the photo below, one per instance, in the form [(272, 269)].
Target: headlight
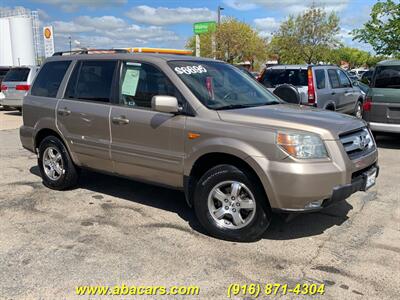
[(302, 145)]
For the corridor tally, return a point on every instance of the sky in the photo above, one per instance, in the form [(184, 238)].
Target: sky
[(169, 23)]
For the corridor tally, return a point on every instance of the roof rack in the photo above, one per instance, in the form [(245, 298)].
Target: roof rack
[(91, 51)]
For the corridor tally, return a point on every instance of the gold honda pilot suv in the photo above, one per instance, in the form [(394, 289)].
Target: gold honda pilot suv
[(199, 125)]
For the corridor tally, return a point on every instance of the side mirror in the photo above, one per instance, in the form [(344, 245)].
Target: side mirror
[(166, 104)]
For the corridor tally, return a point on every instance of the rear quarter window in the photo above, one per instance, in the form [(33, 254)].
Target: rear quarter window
[(387, 77), (320, 79), (49, 79), (17, 74)]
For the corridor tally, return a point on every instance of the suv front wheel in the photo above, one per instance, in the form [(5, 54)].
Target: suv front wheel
[(230, 205), (55, 164)]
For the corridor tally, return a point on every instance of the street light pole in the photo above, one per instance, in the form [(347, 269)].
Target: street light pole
[(70, 46), (219, 14)]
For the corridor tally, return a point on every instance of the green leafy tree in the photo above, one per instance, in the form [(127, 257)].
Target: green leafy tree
[(353, 56), (307, 37), (382, 31), (235, 41)]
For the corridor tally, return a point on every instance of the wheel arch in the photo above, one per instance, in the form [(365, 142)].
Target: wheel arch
[(208, 160)]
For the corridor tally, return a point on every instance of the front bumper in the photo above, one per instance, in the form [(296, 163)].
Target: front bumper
[(384, 127)]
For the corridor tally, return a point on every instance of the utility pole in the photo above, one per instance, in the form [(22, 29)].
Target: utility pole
[(213, 41), (70, 46)]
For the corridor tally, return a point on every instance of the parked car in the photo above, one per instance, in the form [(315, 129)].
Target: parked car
[(322, 86), (199, 125), (359, 72), (16, 84), (382, 104)]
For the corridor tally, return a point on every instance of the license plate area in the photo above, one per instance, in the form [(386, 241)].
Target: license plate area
[(370, 178)]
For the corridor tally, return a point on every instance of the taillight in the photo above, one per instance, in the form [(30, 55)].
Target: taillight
[(311, 90), (22, 87), (367, 103), (3, 88)]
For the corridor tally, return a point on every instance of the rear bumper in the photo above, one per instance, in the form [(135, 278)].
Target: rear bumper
[(384, 127), (11, 102)]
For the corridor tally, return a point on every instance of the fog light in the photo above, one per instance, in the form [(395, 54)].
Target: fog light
[(314, 204)]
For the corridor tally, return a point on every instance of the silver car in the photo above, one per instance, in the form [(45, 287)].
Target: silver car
[(16, 85), (322, 86)]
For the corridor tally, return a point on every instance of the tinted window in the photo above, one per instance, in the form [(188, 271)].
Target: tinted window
[(49, 79), (333, 78), (320, 78), (93, 82), (343, 79), (3, 72), (17, 74), (387, 77), (140, 82), (274, 77)]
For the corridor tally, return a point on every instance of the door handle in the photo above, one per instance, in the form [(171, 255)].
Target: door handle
[(64, 112), (121, 120)]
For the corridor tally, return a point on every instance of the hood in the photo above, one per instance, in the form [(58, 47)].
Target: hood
[(327, 123)]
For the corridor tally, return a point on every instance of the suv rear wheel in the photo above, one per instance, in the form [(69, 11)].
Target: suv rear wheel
[(230, 205), (55, 164)]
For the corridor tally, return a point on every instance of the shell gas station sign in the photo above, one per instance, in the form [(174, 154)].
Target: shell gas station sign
[(48, 41)]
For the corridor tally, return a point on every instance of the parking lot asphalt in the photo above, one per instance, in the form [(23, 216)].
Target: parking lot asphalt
[(110, 231)]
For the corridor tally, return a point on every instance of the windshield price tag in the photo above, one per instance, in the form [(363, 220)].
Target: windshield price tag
[(190, 70)]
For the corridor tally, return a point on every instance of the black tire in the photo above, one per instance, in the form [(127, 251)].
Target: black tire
[(221, 173), (69, 176)]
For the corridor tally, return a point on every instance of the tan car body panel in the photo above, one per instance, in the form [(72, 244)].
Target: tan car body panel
[(154, 146)]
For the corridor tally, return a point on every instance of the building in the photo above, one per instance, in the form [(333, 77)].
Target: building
[(20, 37)]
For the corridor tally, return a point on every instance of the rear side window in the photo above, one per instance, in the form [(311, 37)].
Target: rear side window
[(3, 72), (333, 78), (91, 80), (49, 79), (17, 74), (387, 77), (320, 78), (275, 77)]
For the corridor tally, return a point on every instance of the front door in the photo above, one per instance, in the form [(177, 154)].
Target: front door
[(349, 97), (146, 144), (83, 113)]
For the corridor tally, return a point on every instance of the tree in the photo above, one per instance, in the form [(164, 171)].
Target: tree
[(382, 31), (235, 41), (353, 56), (307, 37)]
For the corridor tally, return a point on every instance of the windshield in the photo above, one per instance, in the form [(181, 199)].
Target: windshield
[(221, 86)]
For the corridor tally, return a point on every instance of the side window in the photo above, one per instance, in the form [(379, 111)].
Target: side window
[(49, 79), (320, 78), (387, 77), (344, 80), (140, 82), (91, 80), (333, 78)]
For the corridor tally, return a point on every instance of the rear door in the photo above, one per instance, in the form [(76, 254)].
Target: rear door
[(385, 95), (273, 77), (83, 113), (146, 144), (349, 95), (336, 91)]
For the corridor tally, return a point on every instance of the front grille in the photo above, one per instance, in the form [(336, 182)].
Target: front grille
[(357, 143)]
